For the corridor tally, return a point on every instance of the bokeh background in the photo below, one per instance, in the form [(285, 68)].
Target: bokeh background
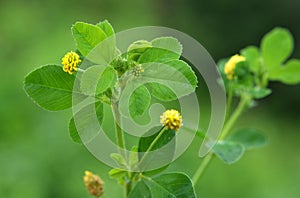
[(38, 158)]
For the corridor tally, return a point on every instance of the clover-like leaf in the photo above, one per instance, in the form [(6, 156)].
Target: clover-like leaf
[(50, 87), (249, 138), (288, 73), (252, 55), (87, 36), (97, 79), (168, 43), (106, 27), (228, 151), (85, 115), (139, 101), (276, 47), (175, 185)]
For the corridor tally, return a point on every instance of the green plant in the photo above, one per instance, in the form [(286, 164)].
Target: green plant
[(107, 78)]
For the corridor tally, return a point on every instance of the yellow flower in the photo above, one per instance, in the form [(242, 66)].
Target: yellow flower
[(70, 62), (230, 65), (93, 183), (171, 119)]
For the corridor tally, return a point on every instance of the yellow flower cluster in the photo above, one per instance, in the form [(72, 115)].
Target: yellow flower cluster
[(171, 119), (70, 62), (230, 65), (93, 183)]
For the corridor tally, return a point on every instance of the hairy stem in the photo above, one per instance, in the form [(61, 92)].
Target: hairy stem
[(233, 118)]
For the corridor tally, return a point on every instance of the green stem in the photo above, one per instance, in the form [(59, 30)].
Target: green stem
[(229, 102), (202, 167), (235, 115), (120, 141), (128, 188), (199, 172), (119, 132), (150, 147)]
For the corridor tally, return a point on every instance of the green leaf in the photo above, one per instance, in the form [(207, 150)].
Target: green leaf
[(249, 138), (140, 190), (106, 27), (170, 79), (229, 152), (137, 48), (276, 46), (157, 55), (50, 87), (175, 185), (87, 36), (259, 92), (162, 92), (168, 43), (117, 173), (165, 143), (288, 74), (84, 115), (97, 79), (139, 101), (252, 55), (119, 159)]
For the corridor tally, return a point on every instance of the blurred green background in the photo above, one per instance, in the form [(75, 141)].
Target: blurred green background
[(37, 157)]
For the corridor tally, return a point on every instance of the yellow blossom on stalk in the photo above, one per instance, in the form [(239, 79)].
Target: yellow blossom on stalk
[(171, 119), (93, 183), (70, 62), (230, 65)]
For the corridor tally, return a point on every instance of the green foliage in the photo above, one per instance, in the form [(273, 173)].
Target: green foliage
[(288, 74), (126, 82), (50, 87), (156, 138), (85, 116), (139, 101), (229, 152), (249, 138), (276, 47), (176, 185), (233, 148), (87, 36), (97, 79)]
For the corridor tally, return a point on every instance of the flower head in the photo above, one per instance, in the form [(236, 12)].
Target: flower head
[(171, 119), (230, 65), (93, 183), (70, 62), (137, 70)]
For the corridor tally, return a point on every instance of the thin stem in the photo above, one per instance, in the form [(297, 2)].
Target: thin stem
[(199, 172), (150, 147), (119, 132), (202, 167), (128, 188), (120, 141), (235, 115), (229, 102)]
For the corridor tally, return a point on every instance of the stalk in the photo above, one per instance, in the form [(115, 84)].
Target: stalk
[(233, 118)]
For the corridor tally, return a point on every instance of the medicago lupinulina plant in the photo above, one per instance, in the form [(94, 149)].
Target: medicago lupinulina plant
[(246, 76)]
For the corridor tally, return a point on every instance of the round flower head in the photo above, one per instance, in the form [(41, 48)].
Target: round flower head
[(93, 183), (70, 62), (137, 71), (171, 119), (230, 65)]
